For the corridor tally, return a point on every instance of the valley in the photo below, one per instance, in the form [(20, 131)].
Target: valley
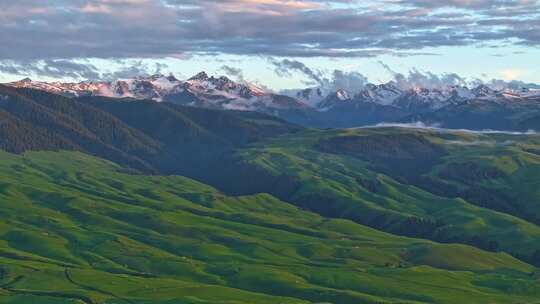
[(115, 201)]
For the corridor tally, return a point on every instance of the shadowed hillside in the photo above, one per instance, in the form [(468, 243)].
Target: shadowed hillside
[(144, 135), (450, 187)]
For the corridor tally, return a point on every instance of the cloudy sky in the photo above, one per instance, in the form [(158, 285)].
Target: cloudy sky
[(280, 43)]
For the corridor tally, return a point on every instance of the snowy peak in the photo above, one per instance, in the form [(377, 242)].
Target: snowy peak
[(334, 99), (424, 99), (342, 95), (222, 86), (483, 91), (200, 90), (433, 99), (384, 94), (200, 76)]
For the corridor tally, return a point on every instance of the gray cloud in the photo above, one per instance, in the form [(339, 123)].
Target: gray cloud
[(51, 68), (337, 79), (349, 81), (64, 29), (69, 69), (134, 69), (503, 84), (286, 67), (416, 78), (236, 73), (355, 81), (481, 5)]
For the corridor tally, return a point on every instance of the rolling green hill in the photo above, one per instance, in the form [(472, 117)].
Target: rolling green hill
[(472, 188), (74, 229)]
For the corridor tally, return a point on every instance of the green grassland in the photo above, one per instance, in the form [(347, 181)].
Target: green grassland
[(76, 229), (472, 188)]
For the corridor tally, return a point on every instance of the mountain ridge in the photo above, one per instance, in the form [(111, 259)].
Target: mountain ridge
[(145, 135), (317, 107), (158, 87)]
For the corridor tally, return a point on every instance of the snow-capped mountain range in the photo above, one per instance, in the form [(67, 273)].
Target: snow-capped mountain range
[(200, 90), (417, 98), (221, 92)]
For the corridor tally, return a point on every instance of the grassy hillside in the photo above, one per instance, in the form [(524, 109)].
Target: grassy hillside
[(75, 229), (478, 189)]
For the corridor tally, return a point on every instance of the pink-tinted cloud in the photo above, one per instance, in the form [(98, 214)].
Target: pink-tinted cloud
[(331, 28)]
